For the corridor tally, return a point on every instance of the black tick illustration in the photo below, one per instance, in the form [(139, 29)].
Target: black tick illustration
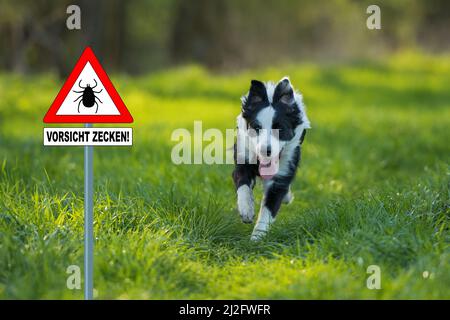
[(88, 96)]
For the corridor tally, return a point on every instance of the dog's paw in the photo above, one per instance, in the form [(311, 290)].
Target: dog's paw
[(245, 203), (257, 235), (288, 198), (262, 226)]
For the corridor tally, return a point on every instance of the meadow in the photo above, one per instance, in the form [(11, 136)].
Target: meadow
[(372, 189)]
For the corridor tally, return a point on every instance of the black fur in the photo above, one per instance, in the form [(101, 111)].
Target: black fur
[(280, 186), (287, 114), (287, 117), (245, 173)]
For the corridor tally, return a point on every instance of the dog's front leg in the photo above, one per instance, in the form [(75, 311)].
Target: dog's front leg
[(244, 176), (273, 196), (289, 197)]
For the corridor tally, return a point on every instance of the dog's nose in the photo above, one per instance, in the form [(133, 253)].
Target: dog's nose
[(269, 151)]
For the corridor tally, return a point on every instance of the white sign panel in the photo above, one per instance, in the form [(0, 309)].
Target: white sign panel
[(88, 136), (88, 96)]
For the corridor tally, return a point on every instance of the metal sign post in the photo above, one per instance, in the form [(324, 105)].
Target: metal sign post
[(88, 221)]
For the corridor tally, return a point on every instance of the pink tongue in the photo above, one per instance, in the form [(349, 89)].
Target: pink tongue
[(269, 169)]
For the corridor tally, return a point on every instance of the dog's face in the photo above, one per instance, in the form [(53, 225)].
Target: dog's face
[(272, 115)]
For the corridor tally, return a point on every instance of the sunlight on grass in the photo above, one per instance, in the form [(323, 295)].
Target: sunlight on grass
[(372, 189)]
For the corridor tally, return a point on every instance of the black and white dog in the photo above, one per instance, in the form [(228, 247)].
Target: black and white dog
[(270, 131)]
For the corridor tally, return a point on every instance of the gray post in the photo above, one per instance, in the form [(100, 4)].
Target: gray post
[(88, 221)]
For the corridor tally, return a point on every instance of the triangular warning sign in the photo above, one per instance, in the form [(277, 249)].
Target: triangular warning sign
[(88, 96)]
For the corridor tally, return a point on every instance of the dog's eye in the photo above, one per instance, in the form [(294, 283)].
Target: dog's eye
[(276, 126), (255, 128)]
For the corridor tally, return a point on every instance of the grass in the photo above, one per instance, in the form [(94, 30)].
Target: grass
[(373, 188)]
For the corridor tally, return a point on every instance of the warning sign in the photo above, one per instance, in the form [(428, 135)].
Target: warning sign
[(88, 96)]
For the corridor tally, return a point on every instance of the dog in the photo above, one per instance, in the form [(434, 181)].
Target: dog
[(270, 131)]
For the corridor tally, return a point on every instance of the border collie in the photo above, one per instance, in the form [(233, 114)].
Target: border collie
[(270, 131)]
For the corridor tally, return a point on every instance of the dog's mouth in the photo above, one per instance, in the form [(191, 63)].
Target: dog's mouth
[(268, 167)]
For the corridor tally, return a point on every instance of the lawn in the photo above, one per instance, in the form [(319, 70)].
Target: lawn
[(372, 189)]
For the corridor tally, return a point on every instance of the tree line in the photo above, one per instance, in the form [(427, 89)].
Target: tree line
[(139, 36)]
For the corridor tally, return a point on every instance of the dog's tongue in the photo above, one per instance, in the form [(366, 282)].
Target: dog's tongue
[(268, 168)]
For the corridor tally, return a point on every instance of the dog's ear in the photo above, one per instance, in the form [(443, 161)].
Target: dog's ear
[(257, 92), (284, 92)]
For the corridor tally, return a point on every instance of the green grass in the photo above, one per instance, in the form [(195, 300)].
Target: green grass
[(373, 188)]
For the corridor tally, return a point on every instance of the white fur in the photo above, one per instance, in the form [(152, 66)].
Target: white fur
[(254, 150), (267, 136), (289, 197), (244, 151), (245, 203), (257, 144), (266, 115), (270, 89), (286, 156), (265, 219)]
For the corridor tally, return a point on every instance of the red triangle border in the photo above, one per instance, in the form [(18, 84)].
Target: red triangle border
[(88, 56)]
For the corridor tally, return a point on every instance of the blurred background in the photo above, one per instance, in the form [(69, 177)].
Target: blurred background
[(140, 36)]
